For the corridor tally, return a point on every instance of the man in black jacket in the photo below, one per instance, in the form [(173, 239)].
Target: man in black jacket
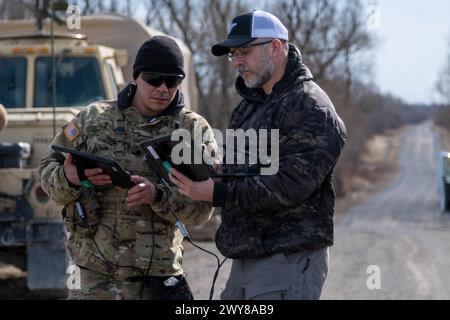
[(277, 227)]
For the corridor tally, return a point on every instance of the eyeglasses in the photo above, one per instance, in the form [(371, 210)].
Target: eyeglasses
[(157, 79), (243, 51)]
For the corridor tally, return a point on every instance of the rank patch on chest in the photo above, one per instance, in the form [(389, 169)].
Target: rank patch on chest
[(71, 131)]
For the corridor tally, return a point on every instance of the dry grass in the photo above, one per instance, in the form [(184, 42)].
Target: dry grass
[(444, 137), (378, 170)]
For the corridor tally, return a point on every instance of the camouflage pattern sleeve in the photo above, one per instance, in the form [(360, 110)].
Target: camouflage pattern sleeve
[(72, 135), (190, 212), (309, 146)]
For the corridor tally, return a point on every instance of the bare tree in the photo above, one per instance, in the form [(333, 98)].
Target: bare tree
[(152, 13), (87, 9), (329, 33), (200, 24), (129, 7), (442, 113), (113, 6), (100, 5), (18, 9), (443, 84), (2, 9)]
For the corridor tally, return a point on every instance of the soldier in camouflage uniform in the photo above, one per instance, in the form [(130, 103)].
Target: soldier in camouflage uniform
[(278, 227), (129, 248)]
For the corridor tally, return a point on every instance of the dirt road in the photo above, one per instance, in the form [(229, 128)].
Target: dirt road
[(399, 230)]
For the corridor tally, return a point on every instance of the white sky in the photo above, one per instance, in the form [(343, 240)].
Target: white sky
[(414, 42)]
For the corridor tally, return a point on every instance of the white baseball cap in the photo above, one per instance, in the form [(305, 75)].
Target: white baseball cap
[(248, 27)]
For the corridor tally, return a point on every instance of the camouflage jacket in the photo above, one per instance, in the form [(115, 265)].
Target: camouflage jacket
[(125, 237), (291, 210)]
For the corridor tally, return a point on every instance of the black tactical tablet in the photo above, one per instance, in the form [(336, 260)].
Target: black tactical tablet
[(158, 152), (119, 176)]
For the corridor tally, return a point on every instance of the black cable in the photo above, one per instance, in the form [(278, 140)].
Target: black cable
[(107, 261), (141, 292), (144, 275), (219, 265), (153, 242), (187, 237)]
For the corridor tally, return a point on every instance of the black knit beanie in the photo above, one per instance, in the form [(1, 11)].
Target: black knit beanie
[(159, 54)]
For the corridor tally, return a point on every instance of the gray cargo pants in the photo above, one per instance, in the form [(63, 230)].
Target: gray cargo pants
[(295, 276)]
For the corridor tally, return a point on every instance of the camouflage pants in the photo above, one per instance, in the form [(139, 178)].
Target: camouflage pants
[(97, 286)]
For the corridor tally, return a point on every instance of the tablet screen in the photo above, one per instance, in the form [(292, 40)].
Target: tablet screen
[(159, 152), (119, 176)]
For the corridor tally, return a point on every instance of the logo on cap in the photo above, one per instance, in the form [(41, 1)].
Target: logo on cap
[(234, 24)]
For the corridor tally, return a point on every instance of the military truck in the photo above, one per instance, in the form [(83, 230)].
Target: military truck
[(85, 67)]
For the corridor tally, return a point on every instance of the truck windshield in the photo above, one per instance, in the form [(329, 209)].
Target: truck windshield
[(78, 82), (13, 72)]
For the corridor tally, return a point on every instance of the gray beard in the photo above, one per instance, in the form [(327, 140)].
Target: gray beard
[(263, 76)]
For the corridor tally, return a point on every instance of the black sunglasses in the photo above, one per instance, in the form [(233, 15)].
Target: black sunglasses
[(157, 79)]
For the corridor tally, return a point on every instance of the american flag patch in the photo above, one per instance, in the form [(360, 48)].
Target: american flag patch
[(71, 131)]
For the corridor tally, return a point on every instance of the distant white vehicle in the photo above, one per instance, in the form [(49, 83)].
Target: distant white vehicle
[(443, 180)]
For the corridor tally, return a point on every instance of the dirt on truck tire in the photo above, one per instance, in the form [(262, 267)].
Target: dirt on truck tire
[(13, 278)]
